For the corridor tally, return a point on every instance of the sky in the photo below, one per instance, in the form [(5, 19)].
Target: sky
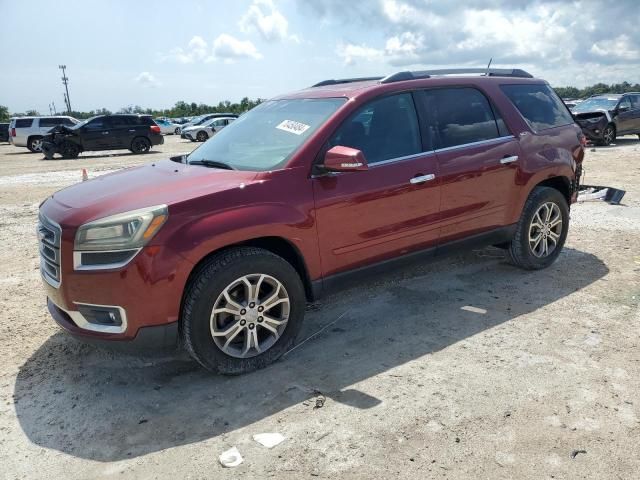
[(155, 53)]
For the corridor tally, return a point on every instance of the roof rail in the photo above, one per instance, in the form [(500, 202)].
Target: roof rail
[(491, 72), (344, 80)]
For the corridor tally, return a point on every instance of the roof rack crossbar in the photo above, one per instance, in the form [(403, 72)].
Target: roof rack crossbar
[(343, 80), (492, 72)]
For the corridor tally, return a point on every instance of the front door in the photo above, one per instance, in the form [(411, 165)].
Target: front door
[(628, 118), (390, 209), (478, 160), (95, 134)]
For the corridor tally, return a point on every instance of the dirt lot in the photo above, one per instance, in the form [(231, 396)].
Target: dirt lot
[(413, 385)]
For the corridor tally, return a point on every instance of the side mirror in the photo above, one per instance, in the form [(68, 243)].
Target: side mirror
[(623, 109), (345, 159)]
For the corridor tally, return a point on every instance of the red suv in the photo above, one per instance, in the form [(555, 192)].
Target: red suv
[(222, 248)]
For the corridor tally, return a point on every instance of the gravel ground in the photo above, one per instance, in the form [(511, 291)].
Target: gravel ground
[(539, 379)]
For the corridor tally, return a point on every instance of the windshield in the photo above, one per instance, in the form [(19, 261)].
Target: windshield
[(83, 123), (267, 136), (596, 103)]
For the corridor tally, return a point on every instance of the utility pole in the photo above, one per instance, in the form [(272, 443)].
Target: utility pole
[(65, 81), (54, 108)]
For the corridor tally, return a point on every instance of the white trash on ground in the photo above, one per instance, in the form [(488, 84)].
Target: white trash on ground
[(269, 440), (231, 458)]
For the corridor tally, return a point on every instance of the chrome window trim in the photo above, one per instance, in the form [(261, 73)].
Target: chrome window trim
[(427, 153), (77, 259), (474, 144)]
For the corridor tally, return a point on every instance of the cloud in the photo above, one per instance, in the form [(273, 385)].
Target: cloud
[(147, 79), (267, 20), (225, 47), (556, 40), (228, 48)]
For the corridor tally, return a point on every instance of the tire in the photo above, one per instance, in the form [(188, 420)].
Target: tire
[(202, 136), (34, 144), (69, 150), (176, 131), (608, 135), (140, 145), (523, 251), (206, 290)]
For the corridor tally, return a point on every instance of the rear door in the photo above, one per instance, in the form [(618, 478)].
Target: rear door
[(392, 208), (477, 160), (122, 131), (635, 108)]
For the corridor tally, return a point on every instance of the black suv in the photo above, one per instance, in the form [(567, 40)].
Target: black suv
[(603, 117), (103, 132)]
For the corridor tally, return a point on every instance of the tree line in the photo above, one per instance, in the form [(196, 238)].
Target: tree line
[(184, 109), (179, 110)]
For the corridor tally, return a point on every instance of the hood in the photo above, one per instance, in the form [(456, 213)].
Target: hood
[(164, 182), (592, 114)]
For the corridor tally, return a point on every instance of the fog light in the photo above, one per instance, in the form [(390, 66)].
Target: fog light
[(597, 131), (99, 315)]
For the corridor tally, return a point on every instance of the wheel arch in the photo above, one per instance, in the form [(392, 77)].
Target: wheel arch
[(277, 245), (560, 183)]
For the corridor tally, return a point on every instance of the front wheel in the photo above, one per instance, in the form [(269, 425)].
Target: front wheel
[(608, 135), (35, 144), (202, 136), (176, 131), (243, 310), (541, 230), (69, 150)]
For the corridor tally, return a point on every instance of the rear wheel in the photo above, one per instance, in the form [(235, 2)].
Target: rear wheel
[(176, 131), (202, 136), (608, 135), (541, 230), (243, 309), (34, 144), (140, 145), (69, 150)]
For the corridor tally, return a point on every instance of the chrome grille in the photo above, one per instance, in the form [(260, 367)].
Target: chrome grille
[(49, 244)]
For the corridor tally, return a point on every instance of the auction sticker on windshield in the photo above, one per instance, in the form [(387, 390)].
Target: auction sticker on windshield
[(293, 127)]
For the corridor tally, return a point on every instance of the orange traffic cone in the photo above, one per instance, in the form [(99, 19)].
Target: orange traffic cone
[(85, 176)]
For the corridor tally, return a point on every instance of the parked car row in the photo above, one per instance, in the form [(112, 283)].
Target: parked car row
[(206, 130), (604, 117)]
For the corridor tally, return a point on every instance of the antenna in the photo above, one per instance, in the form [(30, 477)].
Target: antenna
[(488, 66)]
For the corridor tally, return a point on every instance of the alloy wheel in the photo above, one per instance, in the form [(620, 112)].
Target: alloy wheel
[(250, 315), (545, 230), (608, 135), (36, 145)]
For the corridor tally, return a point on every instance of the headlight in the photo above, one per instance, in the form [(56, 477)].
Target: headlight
[(113, 241)]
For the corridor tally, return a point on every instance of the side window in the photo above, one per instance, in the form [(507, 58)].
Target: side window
[(383, 129), (625, 103), (635, 102), (23, 122), (461, 116), (539, 105), (68, 122), (50, 122), (96, 124)]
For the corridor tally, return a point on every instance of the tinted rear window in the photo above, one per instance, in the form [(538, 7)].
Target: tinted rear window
[(23, 122), (462, 116), (50, 121), (539, 105)]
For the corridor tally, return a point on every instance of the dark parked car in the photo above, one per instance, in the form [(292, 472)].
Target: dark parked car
[(221, 248), (603, 117), (4, 132), (104, 132)]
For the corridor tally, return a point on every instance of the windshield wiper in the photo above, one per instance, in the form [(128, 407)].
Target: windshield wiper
[(212, 164)]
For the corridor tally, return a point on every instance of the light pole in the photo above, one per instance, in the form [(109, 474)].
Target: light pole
[(65, 81)]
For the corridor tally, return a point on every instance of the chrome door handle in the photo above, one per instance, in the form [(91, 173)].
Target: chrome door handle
[(511, 159), (422, 179)]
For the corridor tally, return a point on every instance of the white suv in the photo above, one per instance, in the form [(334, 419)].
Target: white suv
[(28, 131)]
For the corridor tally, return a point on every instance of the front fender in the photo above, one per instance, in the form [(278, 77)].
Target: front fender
[(196, 237)]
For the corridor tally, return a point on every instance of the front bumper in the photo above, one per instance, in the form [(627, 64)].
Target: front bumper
[(593, 130), (159, 337)]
